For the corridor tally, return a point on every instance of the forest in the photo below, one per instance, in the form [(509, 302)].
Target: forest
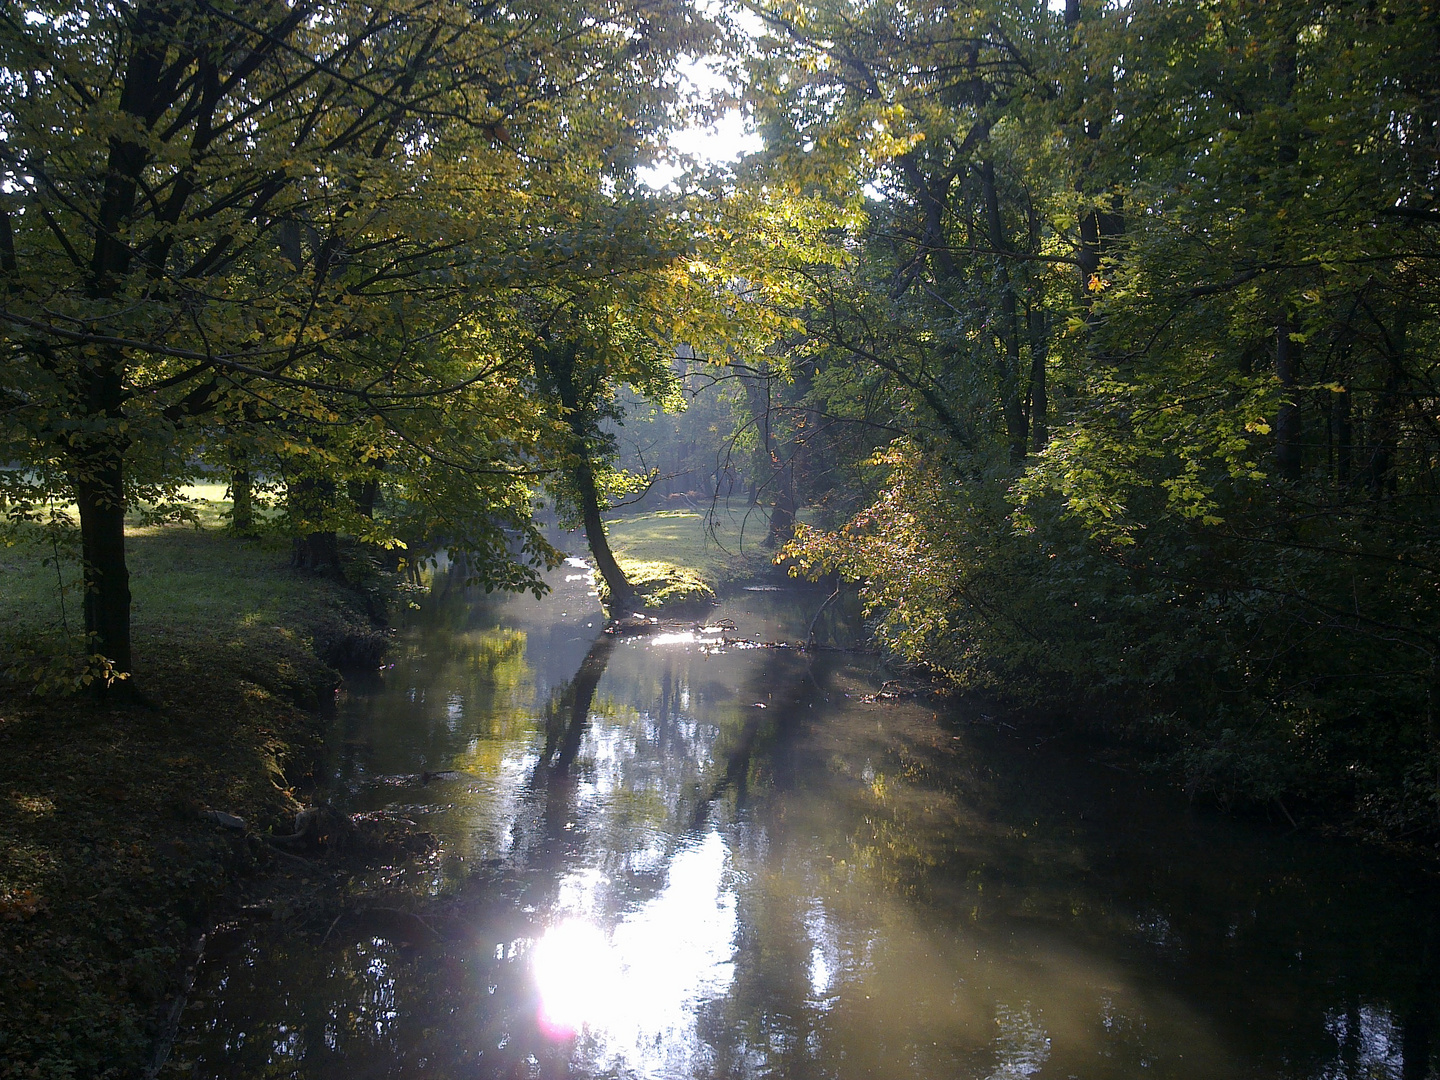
[(1090, 349), (1100, 342)]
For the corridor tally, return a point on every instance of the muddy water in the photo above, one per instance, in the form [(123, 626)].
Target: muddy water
[(669, 857)]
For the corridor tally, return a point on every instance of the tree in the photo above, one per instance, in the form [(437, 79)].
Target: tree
[(1148, 290), (295, 207)]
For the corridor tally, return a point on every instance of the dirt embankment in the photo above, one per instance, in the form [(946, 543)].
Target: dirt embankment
[(128, 828)]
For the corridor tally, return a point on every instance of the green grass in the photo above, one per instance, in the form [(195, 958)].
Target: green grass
[(183, 581), (684, 556), (662, 584), (107, 865)]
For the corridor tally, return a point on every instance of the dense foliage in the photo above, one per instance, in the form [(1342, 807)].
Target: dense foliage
[(1148, 294), (314, 244), (1100, 342)]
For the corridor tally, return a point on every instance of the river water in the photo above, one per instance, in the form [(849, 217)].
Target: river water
[(671, 857)]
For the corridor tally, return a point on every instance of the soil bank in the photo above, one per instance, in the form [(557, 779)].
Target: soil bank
[(118, 838)]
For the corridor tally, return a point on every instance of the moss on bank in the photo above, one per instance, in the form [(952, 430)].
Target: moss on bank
[(682, 557), (108, 863), (662, 584)]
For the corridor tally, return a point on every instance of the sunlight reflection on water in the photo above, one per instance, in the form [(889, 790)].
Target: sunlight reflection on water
[(828, 887), (685, 637), (634, 992)]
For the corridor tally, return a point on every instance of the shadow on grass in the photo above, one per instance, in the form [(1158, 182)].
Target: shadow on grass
[(107, 863)]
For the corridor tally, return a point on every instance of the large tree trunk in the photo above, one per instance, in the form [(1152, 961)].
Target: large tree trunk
[(782, 514), (98, 469), (242, 499), (622, 593), (317, 550), (100, 495), (557, 362)]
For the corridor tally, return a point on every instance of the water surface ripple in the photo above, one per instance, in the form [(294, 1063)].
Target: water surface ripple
[(674, 858)]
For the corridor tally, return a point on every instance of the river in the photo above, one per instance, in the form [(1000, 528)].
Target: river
[(672, 857)]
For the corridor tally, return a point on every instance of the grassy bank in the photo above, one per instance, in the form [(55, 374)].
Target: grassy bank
[(677, 557), (109, 864)]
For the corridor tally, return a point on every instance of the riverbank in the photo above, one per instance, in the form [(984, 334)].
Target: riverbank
[(128, 828), (678, 558)]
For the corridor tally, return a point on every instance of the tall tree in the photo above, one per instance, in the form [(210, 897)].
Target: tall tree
[(299, 205), (1149, 289)]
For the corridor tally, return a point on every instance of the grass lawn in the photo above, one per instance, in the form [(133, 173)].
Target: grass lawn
[(108, 863), (687, 556)]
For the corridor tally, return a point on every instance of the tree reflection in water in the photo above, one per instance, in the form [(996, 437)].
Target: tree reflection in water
[(673, 882)]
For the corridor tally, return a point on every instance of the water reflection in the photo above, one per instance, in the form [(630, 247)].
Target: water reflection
[(667, 858), (633, 994)]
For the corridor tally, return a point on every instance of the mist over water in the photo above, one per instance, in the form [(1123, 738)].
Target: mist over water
[(677, 857)]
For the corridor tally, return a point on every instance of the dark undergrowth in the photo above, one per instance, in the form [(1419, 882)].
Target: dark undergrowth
[(112, 856)]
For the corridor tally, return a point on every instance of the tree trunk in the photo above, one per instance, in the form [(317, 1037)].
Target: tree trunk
[(317, 550), (1013, 410), (1097, 228), (780, 479), (557, 363), (242, 501), (365, 494), (1344, 438), (99, 493), (1039, 396), (1382, 438), (782, 514), (98, 471), (622, 593)]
